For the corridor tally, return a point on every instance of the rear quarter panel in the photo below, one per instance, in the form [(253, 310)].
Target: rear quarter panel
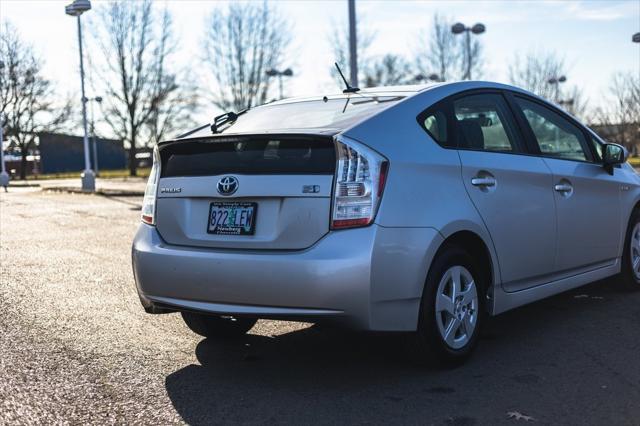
[(424, 187)]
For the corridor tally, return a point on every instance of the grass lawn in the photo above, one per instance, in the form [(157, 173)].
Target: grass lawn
[(634, 161), (105, 174)]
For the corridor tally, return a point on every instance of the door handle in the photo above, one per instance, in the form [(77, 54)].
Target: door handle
[(563, 187), (483, 181)]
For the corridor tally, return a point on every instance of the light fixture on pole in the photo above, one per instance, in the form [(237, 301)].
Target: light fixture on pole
[(460, 28), (75, 9), (275, 73), (635, 38), (555, 81), (431, 77), (4, 176)]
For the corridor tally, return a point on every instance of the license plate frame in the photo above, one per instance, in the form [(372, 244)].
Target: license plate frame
[(229, 207)]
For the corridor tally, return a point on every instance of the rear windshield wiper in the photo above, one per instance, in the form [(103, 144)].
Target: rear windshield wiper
[(226, 118)]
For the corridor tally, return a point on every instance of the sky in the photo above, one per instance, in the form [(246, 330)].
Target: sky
[(594, 37)]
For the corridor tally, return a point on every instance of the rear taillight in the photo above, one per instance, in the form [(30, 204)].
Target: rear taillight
[(149, 202), (359, 181)]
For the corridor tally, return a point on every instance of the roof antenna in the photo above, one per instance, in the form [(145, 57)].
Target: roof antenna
[(349, 88)]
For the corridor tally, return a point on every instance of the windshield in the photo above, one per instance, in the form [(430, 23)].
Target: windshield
[(321, 113)]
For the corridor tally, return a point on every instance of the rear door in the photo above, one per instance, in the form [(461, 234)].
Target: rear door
[(246, 192), (511, 190), (587, 197)]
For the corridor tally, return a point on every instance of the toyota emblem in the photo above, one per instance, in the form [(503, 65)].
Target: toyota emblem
[(227, 185)]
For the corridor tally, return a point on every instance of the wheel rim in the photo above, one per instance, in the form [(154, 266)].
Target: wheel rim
[(457, 306), (635, 251)]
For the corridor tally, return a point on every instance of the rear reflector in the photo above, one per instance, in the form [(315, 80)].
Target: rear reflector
[(359, 181)]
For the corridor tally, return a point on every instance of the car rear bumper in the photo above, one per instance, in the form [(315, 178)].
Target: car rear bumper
[(369, 278)]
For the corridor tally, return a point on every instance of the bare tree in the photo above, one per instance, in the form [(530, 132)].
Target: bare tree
[(445, 54), (338, 39), (390, 70), (242, 42), (534, 71), (174, 103), (386, 70), (619, 117), (441, 55), (143, 98), (26, 97)]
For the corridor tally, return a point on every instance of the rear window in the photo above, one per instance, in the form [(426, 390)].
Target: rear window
[(321, 113), (248, 155)]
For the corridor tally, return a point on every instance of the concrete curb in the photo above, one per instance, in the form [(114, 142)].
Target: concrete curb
[(13, 184), (106, 192)]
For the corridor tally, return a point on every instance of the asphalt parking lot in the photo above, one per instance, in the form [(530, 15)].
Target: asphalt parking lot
[(76, 347)]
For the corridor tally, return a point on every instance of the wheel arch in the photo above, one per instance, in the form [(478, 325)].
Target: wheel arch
[(481, 249), (627, 214)]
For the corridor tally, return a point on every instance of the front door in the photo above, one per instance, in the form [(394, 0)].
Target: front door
[(587, 197)]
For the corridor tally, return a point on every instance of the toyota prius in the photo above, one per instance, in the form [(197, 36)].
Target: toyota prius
[(407, 209)]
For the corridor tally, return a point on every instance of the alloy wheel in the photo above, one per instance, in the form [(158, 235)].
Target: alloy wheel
[(457, 304), (635, 251)]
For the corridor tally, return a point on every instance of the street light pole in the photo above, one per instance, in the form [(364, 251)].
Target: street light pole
[(468, 49), (353, 44), (4, 176), (77, 8), (88, 176)]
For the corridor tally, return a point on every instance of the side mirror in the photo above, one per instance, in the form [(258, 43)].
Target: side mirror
[(613, 154)]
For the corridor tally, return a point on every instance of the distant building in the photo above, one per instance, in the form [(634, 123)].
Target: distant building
[(65, 153)]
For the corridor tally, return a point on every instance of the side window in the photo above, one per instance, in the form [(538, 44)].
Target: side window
[(556, 136), (436, 123), (482, 123), (597, 148)]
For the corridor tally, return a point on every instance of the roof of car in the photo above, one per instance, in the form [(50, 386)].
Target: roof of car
[(405, 90)]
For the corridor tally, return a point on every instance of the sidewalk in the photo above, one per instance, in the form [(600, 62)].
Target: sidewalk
[(123, 187)]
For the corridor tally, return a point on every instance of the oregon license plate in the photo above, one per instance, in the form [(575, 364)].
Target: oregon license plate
[(232, 218)]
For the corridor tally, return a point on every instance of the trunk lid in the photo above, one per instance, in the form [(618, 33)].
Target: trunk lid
[(286, 178)]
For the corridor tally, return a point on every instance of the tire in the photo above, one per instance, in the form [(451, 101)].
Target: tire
[(630, 276), (213, 326), (448, 329)]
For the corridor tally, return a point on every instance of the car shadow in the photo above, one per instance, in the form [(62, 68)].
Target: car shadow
[(326, 375)]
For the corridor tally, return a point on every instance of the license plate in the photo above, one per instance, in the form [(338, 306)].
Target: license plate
[(232, 218)]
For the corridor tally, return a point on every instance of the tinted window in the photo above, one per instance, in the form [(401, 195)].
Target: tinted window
[(556, 136), (597, 148), (248, 155), (482, 123), (435, 123)]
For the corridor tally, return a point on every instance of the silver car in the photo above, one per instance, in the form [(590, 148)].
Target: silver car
[(408, 209)]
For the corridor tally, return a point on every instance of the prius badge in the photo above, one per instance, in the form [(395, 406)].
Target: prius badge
[(170, 190), (227, 185)]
